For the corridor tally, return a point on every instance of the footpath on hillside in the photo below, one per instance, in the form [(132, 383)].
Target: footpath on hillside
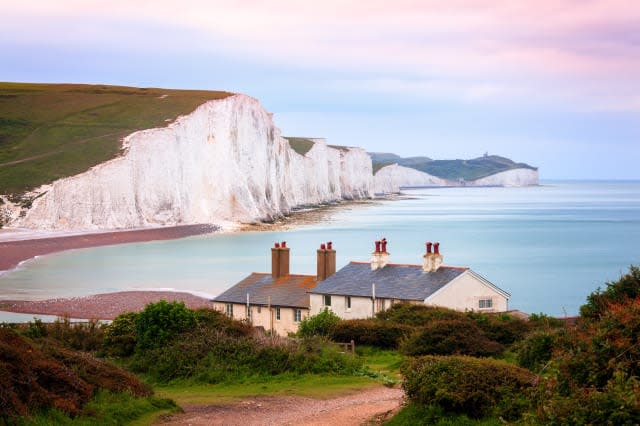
[(369, 407)]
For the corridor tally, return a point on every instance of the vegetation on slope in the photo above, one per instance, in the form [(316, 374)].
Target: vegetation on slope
[(451, 169), (300, 145), (50, 131)]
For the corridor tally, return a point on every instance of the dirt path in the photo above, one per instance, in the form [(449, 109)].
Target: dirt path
[(366, 407)]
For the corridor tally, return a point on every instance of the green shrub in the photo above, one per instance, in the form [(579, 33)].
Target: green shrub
[(213, 319), (616, 404), (81, 336), (544, 322), (627, 287), (120, 335), (319, 324), (536, 350), (470, 386), (417, 315), (450, 337), (35, 329), (161, 321), (370, 332), (501, 328)]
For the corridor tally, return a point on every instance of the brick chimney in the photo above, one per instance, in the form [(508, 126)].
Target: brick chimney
[(380, 257), (432, 260), (280, 260), (326, 261)]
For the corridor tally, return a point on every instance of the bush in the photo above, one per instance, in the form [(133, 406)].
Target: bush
[(450, 337), (319, 324), (120, 335), (81, 336), (370, 332), (501, 328), (161, 321), (536, 350), (617, 404), (627, 287), (471, 386), (417, 315)]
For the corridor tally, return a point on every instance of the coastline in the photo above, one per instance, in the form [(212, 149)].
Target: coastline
[(16, 249), (105, 306)]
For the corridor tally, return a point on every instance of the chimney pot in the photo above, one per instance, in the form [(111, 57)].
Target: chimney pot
[(429, 244), (329, 245), (284, 244), (384, 245), (276, 245), (323, 247), (436, 248), (377, 246)]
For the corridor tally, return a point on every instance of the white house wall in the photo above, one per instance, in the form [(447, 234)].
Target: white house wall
[(465, 293), (266, 318)]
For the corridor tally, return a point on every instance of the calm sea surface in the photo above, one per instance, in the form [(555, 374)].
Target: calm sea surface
[(549, 246)]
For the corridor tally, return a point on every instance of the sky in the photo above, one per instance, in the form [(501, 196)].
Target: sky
[(554, 83)]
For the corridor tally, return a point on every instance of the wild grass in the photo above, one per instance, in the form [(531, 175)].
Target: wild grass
[(50, 131), (300, 145), (319, 386), (107, 408)]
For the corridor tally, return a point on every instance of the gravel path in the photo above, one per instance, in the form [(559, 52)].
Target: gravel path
[(368, 407)]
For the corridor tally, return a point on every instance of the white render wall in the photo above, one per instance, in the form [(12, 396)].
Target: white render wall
[(223, 163), (266, 318), (465, 292)]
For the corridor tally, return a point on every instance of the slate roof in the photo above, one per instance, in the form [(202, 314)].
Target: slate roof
[(404, 282), (290, 291)]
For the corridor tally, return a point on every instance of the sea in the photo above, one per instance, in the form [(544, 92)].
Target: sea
[(549, 246)]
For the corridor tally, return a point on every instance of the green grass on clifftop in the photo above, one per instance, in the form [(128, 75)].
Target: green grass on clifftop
[(300, 145), (50, 131)]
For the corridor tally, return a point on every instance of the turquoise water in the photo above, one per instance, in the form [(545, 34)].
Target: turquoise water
[(549, 246)]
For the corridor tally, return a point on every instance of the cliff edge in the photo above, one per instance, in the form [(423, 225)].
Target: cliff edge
[(223, 163)]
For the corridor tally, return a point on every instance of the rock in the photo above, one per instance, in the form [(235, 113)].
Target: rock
[(224, 163)]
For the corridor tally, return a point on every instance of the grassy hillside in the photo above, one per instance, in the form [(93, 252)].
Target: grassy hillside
[(50, 131), (300, 145), (452, 169)]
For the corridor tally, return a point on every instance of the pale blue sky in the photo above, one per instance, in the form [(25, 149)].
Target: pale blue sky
[(556, 85)]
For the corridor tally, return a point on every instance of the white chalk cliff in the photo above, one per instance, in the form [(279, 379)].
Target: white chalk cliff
[(225, 162), (513, 177), (390, 179)]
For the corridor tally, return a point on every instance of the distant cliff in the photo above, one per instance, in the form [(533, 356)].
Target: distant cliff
[(393, 172), (224, 162)]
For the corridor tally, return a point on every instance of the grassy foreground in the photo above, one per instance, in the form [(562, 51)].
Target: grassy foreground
[(50, 131)]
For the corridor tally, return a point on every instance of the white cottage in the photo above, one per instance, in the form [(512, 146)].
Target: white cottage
[(360, 290)]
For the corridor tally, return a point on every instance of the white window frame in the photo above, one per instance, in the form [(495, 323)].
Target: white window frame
[(486, 303), (229, 310), (277, 313), (325, 298), (297, 315)]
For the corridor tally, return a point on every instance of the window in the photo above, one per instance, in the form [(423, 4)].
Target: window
[(380, 305), (229, 310), (278, 314), (297, 315), (259, 308), (347, 302), (485, 303), (327, 300), (249, 313)]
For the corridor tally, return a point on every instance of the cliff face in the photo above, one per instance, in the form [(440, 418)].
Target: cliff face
[(390, 179), (225, 162), (515, 177)]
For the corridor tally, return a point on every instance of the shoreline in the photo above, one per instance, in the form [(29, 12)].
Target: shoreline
[(16, 251), (104, 306), (107, 306)]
